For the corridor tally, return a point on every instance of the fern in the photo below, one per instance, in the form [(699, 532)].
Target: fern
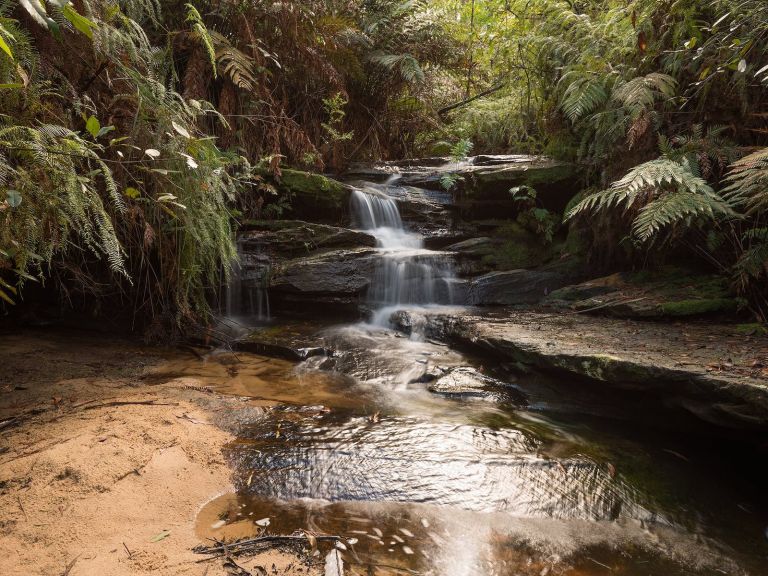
[(640, 94), (748, 182), (238, 66), (201, 33), (582, 96), (663, 192), (405, 65)]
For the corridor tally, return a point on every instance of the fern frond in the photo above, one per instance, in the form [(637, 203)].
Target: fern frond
[(201, 33), (404, 64), (640, 94), (748, 182), (582, 96), (675, 208)]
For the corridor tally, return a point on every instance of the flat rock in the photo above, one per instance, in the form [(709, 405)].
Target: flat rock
[(710, 370), (338, 276), (669, 293)]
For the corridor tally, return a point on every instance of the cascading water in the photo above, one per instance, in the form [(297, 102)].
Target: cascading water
[(406, 272), (246, 294)]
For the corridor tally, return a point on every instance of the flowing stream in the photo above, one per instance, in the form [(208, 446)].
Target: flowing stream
[(406, 273), (511, 475)]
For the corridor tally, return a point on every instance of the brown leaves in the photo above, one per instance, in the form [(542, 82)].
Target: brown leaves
[(642, 42)]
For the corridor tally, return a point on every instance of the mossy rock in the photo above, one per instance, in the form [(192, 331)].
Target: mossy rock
[(662, 293), (517, 248), (486, 191), (313, 197), (508, 246), (699, 307)]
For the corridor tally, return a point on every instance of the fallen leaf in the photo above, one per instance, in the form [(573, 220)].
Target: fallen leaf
[(161, 536)]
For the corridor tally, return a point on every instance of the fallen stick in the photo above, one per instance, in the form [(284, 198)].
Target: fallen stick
[(256, 542)]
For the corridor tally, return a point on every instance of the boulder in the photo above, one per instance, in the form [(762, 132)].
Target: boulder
[(467, 382)]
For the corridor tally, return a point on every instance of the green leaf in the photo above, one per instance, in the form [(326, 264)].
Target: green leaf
[(105, 130), (79, 21), (13, 197), (132, 192), (93, 126), (11, 86), (4, 45), (161, 536)]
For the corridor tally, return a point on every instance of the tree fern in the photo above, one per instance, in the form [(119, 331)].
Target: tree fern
[(663, 193), (640, 94), (582, 95), (748, 182)]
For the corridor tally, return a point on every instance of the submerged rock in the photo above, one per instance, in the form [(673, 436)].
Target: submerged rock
[(465, 381)]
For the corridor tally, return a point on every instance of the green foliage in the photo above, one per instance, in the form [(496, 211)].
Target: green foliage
[(661, 193), (202, 34)]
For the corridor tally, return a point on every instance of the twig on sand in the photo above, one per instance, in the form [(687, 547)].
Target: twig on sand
[(21, 506), (7, 423), (128, 551), (69, 567)]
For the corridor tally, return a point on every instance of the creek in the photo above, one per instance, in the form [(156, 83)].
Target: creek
[(438, 461)]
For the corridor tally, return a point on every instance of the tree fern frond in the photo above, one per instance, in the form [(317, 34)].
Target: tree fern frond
[(748, 182), (675, 208), (404, 64), (201, 32), (583, 96), (641, 93)]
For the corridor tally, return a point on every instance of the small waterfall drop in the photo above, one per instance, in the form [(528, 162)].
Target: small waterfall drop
[(246, 294), (406, 272)]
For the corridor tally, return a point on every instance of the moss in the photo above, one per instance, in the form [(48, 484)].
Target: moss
[(696, 307), (313, 197), (516, 248), (752, 329)]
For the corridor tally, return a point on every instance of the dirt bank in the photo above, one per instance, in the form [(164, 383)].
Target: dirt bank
[(103, 466)]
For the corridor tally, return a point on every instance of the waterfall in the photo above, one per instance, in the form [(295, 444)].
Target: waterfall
[(406, 272), (246, 294)]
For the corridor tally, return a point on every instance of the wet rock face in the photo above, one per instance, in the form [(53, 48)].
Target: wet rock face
[(484, 181), (336, 276), (294, 238), (467, 382), (514, 287)]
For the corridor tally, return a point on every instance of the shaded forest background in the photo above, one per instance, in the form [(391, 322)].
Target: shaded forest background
[(136, 134)]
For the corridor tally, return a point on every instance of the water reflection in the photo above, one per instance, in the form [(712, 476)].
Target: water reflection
[(519, 487)]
